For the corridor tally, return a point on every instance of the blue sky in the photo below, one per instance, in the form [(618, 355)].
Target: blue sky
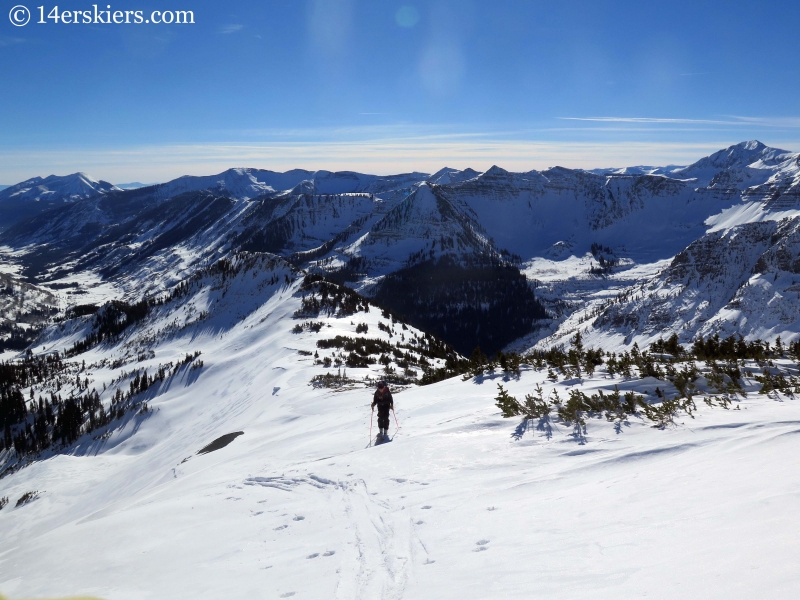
[(383, 86)]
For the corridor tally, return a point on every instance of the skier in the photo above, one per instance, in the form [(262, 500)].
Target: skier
[(383, 398)]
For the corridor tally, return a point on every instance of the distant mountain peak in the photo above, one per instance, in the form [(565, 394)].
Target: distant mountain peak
[(449, 175), (495, 170), (37, 194), (738, 166), (750, 145)]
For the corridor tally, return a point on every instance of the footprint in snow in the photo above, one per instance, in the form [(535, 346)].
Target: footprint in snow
[(428, 561), (287, 595), (299, 518), (426, 507), (491, 508), (315, 555), (281, 527), (481, 545), (261, 512), (419, 523), (329, 553)]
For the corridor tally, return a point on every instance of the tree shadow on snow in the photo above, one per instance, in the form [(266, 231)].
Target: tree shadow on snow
[(619, 423), (505, 377), (543, 425), (520, 430), (579, 432), (91, 444)]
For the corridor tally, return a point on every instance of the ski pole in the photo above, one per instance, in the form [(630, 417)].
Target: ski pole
[(395, 419), (370, 423)]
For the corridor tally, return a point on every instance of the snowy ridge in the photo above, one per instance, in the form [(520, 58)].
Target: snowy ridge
[(637, 170), (239, 184), (344, 182)]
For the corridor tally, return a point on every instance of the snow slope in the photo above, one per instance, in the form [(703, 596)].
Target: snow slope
[(453, 507), (461, 504)]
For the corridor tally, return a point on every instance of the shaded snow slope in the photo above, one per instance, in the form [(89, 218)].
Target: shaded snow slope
[(411, 230), (652, 217)]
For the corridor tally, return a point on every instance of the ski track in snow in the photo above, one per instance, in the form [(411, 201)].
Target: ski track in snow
[(376, 565), (379, 548)]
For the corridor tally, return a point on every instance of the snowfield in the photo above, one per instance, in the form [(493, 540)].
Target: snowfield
[(461, 504)]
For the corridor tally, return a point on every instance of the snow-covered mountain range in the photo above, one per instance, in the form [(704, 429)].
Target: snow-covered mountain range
[(581, 238), (185, 402)]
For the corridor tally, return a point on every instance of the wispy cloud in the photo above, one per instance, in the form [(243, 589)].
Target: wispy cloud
[(738, 121), (768, 121), (231, 28), (10, 41), (651, 120)]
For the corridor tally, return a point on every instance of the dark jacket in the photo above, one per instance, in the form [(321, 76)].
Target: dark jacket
[(385, 402)]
